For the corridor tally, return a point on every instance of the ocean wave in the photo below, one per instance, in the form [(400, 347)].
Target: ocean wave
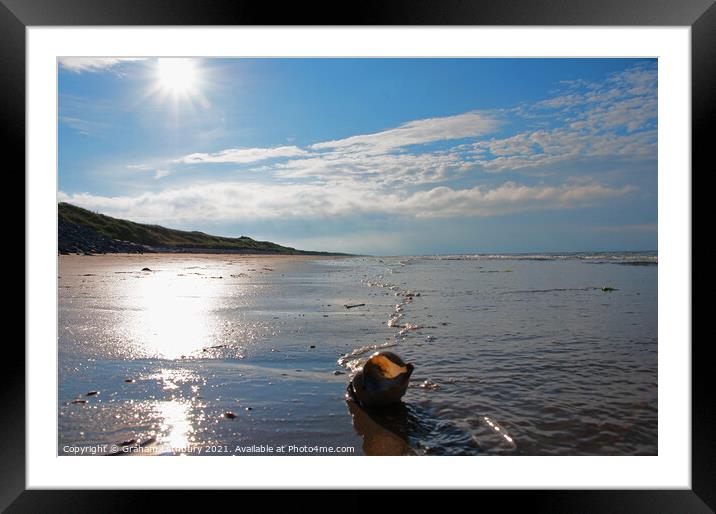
[(629, 258)]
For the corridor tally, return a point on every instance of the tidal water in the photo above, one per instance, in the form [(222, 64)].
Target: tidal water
[(229, 354)]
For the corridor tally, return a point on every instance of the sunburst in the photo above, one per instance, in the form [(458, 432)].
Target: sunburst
[(177, 77)]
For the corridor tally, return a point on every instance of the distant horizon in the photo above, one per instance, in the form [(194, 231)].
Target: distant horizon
[(381, 157), (483, 252)]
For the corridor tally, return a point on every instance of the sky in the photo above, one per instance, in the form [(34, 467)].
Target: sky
[(369, 156)]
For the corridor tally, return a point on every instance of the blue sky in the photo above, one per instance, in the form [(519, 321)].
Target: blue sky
[(377, 156)]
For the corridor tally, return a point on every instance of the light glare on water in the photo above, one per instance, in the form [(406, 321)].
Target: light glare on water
[(173, 315), (176, 423)]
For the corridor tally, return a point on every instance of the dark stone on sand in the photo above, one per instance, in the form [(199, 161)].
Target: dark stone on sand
[(229, 415), (312, 346), (146, 269), (133, 443)]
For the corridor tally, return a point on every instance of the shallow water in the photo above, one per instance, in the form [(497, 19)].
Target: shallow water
[(513, 354)]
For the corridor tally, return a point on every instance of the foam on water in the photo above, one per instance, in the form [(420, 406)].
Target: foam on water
[(645, 258)]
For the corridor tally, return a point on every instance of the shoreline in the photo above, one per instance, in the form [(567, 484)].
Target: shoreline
[(209, 251), (202, 253)]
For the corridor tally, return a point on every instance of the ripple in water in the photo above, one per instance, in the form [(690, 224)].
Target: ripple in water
[(556, 357)]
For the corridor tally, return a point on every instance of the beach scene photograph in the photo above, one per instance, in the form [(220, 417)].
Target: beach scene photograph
[(357, 256)]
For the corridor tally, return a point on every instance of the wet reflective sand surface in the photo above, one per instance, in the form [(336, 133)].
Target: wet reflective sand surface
[(238, 354)]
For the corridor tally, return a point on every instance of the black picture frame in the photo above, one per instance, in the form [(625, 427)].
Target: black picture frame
[(700, 15)]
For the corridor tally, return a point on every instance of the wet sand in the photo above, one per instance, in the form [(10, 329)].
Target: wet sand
[(171, 351), (238, 354)]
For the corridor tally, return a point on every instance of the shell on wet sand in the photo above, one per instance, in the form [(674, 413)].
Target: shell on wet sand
[(382, 381)]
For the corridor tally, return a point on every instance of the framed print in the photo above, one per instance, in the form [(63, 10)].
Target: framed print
[(440, 248)]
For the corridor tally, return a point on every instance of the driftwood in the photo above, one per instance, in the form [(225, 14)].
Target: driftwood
[(354, 305)]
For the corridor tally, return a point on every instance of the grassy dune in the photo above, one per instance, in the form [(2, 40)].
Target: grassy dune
[(160, 238)]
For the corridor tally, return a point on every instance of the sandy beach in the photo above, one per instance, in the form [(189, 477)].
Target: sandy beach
[(171, 351), (238, 354)]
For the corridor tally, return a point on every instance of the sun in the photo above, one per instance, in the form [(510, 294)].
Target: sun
[(181, 82), (177, 76)]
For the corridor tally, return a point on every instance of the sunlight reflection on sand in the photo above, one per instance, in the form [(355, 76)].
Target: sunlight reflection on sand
[(173, 314)]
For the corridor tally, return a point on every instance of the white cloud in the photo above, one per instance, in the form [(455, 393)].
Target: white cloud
[(547, 147), (241, 155), (231, 201), (469, 124), (93, 64), (84, 127), (141, 167), (160, 174), (614, 118), (386, 170), (510, 197)]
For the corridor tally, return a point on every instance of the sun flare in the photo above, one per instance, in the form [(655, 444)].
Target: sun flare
[(177, 76)]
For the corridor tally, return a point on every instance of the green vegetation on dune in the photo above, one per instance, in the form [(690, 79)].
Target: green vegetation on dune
[(158, 237)]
